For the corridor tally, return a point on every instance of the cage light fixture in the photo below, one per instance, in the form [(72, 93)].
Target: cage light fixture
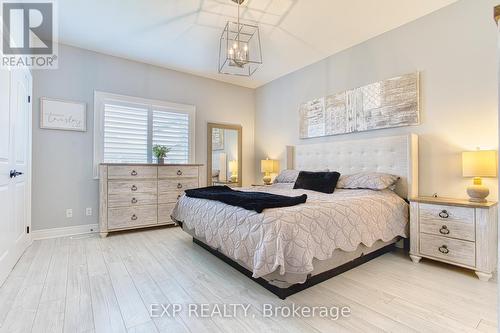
[(240, 51)]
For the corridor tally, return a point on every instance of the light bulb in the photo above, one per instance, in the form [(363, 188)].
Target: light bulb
[(235, 46), (245, 47)]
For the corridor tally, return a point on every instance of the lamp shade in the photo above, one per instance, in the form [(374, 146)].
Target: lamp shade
[(267, 165), (233, 166), (480, 163), (276, 166)]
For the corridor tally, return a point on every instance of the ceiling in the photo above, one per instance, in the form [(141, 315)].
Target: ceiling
[(184, 34)]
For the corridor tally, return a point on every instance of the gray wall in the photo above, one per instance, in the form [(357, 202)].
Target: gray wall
[(62, 161), (455, 49)]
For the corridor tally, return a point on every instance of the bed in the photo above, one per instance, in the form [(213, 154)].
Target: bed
[(289, 249)]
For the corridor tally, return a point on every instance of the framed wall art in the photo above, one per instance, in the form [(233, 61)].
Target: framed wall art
[(58, 114)]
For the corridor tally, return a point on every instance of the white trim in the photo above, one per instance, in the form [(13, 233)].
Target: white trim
[(99, 100), (64, 231)]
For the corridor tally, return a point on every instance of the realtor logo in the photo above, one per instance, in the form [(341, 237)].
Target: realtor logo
[(29, 36)]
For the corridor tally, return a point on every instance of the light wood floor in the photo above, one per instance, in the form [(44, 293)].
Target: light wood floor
[(87, 284)]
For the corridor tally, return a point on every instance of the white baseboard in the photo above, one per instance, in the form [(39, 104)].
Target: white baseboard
[(64, 232)]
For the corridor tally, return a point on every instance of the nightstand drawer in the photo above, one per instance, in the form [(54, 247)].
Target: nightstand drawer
[(458, 251), (461, 218), (463, 229)]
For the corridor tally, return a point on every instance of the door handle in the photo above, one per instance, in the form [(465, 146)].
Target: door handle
[(14, 173)]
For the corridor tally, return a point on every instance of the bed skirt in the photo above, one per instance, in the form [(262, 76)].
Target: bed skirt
[(283, 286)]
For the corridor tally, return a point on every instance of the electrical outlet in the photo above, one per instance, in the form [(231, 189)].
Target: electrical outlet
[(88, 211), (69, 213)]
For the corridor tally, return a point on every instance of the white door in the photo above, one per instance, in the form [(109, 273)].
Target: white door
[(15, 166)]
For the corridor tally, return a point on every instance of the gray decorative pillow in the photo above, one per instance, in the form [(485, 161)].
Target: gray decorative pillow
[(290, 176), (286, 176), (368, 180)]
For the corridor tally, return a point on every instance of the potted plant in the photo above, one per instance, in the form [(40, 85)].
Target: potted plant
[(160, 152)]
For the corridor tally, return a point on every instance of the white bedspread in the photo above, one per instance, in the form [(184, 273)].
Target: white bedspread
[(289, 238)]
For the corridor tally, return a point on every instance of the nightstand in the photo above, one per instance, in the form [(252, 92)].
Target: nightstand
[(454, 231)]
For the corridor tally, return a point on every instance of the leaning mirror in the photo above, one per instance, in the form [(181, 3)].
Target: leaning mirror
[(224, 155)]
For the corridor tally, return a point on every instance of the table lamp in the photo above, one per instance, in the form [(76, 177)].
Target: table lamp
[(477, 164), (233, 168), (268, 166)]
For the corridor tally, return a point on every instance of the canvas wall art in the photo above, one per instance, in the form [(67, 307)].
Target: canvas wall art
[(384, 104)]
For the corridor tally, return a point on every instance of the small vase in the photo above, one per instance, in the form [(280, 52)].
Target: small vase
[(161, 160)]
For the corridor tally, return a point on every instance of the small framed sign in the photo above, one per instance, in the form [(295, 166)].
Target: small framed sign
[(63, 115)]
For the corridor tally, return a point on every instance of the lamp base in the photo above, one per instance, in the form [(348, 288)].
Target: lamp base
[(234, 178), (267, 179), (478, 193)]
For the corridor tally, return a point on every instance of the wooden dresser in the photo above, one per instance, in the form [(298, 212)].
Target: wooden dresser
[(455, 231), (142, 195)]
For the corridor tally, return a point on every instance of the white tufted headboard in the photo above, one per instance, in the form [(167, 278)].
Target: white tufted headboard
[(397, 155)]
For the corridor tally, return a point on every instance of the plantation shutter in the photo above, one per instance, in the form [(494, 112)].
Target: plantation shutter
[(125, 133), (171, 129), (131, 129)]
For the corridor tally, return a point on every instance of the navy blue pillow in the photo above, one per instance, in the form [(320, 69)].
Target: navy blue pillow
[(324, 182)]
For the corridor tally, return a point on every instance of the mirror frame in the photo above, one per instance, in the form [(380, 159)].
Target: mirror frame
[(210, 127)]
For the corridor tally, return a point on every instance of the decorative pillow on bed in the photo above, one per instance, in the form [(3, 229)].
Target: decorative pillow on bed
[(368, 180), (317, 181), (290, 176), (287, 176)]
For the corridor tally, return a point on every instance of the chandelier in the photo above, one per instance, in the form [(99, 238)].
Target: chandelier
[(240, 50)]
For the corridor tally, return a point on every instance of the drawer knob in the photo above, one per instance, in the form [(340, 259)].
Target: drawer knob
[(179, 173), (179, 185), (444, 249), (134, 217), (133, 188), (444, 230), (444, 214), (133, 173), (134, 200), (178, 197)]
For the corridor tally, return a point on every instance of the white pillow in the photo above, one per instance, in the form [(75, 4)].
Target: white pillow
[(290, 176), (368, 180)]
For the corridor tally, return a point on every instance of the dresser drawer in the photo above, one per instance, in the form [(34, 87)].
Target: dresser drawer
[(169, 197), (132, 199), (164, 212), (125, 187), (176, 185), (132, 216), (449, 221), (177, 171), (454, 250), (132, 172)]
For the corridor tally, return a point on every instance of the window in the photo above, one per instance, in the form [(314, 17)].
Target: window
[(127, 128)]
